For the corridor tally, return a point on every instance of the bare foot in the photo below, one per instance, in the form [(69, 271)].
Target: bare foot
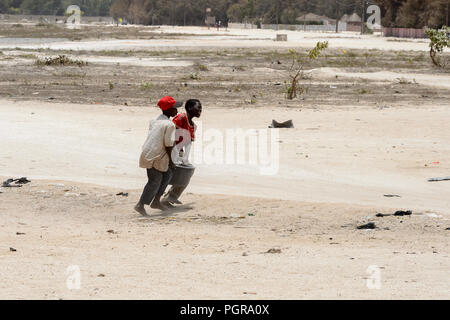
[(140, 208), (158, 205), (167, 204), (171, 200), (174, 201)]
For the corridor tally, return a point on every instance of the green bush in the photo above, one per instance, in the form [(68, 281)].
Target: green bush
[(439, 40)]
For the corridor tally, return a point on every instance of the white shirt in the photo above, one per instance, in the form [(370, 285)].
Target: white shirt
[(161, 134)]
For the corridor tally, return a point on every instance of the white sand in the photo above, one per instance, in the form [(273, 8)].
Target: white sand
[(334, 168), (208, 252), (234, 38), (349, 160)]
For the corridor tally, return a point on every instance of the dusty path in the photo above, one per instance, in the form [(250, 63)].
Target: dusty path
[(196, 37), (334, 168), (352, 156)]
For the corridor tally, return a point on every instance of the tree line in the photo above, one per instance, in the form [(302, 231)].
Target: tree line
[(395, 13), (55, 7), (193, 12)]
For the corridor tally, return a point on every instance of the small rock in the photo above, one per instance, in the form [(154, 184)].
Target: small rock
[(101, 275), (381, 215), (12, 249), (244, 254), (370, 225), (22, 180), (273, 250), (285, 124), (403, 213)]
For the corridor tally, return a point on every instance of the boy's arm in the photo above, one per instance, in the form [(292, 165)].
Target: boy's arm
[(169, 152), (169, 142)]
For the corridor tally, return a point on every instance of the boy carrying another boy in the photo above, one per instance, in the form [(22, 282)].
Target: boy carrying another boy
[(156, 155)]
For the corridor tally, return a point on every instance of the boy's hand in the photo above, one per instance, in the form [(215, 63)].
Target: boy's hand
[(169, 152)]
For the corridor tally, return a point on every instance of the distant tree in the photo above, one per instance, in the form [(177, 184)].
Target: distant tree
[(395, 13), (389, 9), (45, 7), (436, 13), (138, 12), (15, 3), (90, 7), (103, 9), (439, 40), (411, 14), (238, 11), (4, 6), (119, 9)]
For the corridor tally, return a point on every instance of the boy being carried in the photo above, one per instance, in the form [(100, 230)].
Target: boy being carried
[(186, 131), (156, 155)]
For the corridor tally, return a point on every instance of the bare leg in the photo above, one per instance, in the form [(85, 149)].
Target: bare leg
[(139, 207)]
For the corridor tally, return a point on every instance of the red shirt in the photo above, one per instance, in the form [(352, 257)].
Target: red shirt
[(182, 122)]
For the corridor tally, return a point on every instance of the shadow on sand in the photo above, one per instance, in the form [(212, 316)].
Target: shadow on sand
[(170, 212)]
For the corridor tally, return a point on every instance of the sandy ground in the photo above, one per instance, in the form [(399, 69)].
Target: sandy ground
[(373, 123), (309, 209), (244, 248), (332, 156), (432, 80), (233, 38)]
